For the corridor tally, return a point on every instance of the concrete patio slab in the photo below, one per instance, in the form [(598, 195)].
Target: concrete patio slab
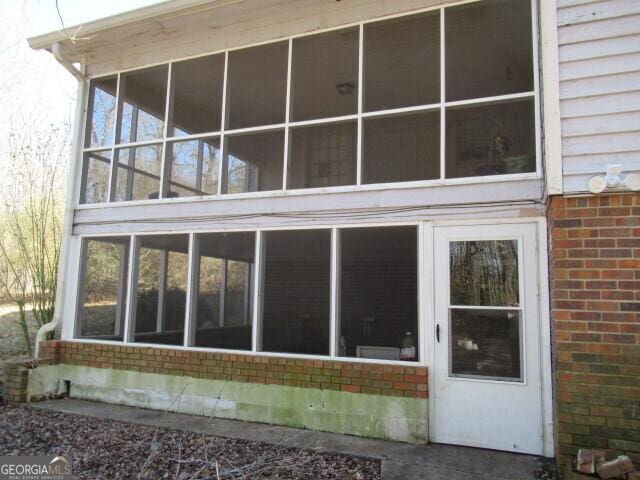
[(399, 460)]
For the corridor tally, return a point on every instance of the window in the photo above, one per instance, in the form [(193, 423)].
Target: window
[(402, 148), (433, 96), (252, 103), (196, 96), (225, 290), (97, 165), (283, 281), (402, 62), (195, 166), (379, 293), (325, 75), (485, 315), (253, 162), (101, 117), (102, 300), (323, 155), (161, 289), (138, 172), (296, 291), (144, 96)]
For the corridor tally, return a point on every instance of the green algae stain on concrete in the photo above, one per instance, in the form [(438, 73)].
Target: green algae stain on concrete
[(365, 415)]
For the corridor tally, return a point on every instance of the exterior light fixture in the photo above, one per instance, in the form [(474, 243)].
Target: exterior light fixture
[(345, 88), (614, 180)]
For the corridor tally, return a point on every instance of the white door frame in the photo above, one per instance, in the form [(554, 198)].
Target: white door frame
[(428, 313)]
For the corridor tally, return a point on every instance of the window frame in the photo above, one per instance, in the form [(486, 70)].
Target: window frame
[(359, 116), (255, 319)]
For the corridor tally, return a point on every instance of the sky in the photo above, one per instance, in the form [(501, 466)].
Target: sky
[(34, 88)]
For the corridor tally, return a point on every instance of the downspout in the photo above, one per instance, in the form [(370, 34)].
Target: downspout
[(67, 223)]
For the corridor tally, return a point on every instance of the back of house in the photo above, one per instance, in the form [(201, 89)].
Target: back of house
[(414, 220)]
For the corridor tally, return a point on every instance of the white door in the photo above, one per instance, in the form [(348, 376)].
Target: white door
[(487, 383)]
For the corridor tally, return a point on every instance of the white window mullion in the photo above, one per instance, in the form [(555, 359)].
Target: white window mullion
[(256, 335), (287, 156), (129, 319), (193, 275), (334, 328), (221, 166), (443, 99), (166, 158), (360, 97), (82, 276), (116, 134)]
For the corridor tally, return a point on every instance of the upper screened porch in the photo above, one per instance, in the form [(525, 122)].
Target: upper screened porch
[(424, 104)]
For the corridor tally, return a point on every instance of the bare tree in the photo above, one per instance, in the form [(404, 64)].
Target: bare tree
[(33, 203)]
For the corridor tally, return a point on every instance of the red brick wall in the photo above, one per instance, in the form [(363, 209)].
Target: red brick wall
[(400, 381), (595, 291)]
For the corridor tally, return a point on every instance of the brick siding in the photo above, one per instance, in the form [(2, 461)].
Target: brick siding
[(595, 291), (393, 380)]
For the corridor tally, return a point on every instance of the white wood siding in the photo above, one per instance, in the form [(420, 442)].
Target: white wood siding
[(599, 56)]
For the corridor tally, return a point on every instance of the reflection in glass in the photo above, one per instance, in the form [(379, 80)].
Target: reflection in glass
[(254, 162), (378, 292), (491, 139), (138, 173), (485, 343), (95, 185), (104, 287), (194, 168), (102, 112), (257, 85), (323, 155), (161, 289), (296, 291), (325, 75), (484, 273), (402, 62), (225, 290), (401, 148), (488, 49), (197, 95), (144, 96)]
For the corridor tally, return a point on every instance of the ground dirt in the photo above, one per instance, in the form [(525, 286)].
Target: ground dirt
[(104, 449)]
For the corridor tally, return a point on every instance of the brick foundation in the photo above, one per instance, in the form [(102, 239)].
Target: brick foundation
[(354, 377), (16, 377), (595, 291)]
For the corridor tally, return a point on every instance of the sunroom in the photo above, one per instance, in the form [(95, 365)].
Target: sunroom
[(331, 207)]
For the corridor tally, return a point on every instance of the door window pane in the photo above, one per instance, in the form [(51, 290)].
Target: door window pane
[(296, 292), (401, 148), (254, 162), (257, 85), (491, 139), (95, 185), (485, 343), (144, 96), (484, 273), (225, 290), (379, 293), (194, 168), (402, 62), (197, 95), (488, 49), (102, 112), (138, 174), (323, 155), (161, 289), (104, 287), (325, 75)]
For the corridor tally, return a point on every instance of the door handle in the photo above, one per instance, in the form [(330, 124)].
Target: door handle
[(438, 332)]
